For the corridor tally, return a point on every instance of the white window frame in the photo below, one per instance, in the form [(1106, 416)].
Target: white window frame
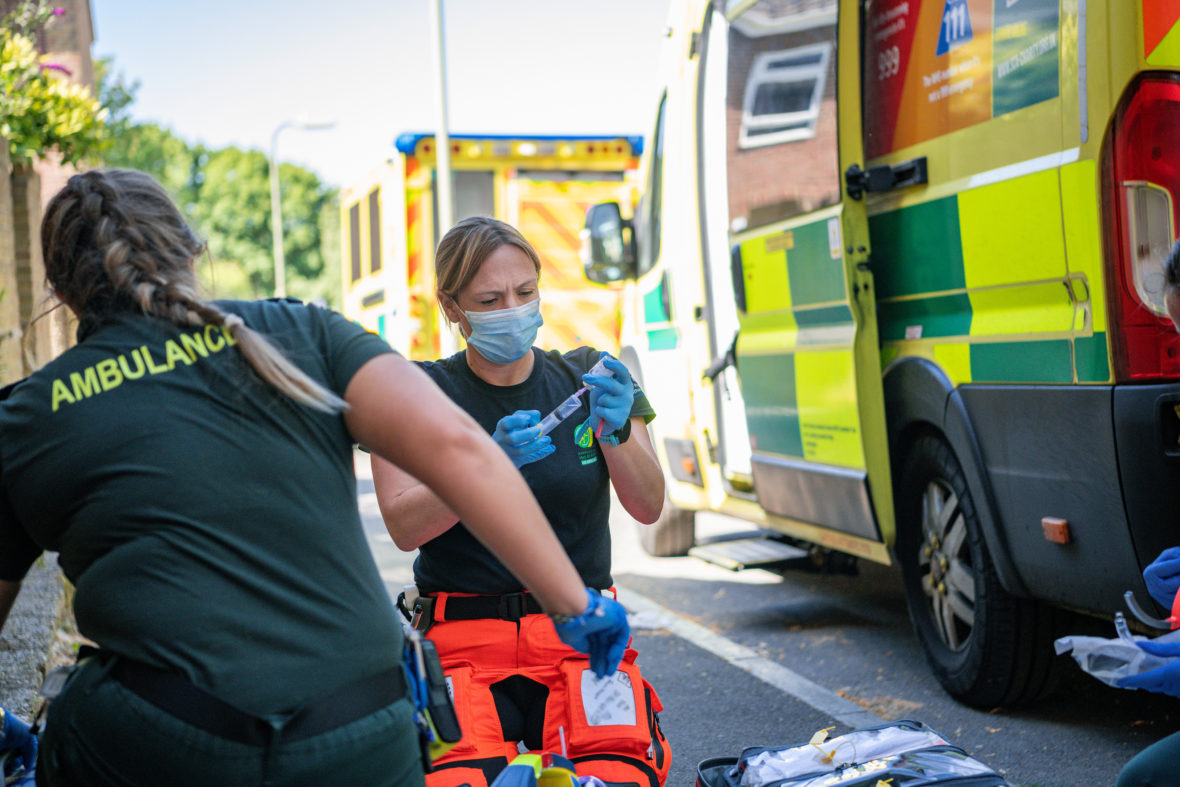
[(803, 123)]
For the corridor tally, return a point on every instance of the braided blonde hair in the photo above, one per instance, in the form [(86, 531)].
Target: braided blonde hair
[(113, 241)]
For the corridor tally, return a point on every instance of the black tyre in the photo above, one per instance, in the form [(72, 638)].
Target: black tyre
[(986, 647), (672, 535)]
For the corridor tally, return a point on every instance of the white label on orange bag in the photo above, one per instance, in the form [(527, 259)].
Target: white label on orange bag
[(609, 700)]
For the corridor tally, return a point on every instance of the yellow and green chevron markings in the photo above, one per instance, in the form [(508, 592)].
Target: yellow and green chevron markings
[(991, 285), (795, 347), (1161, 32), (1001, 283)]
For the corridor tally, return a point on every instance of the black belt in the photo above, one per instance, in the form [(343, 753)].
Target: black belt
[(510, 606), (174, 695)]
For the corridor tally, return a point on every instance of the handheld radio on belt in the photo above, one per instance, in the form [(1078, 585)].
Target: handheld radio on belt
[(434, 712)]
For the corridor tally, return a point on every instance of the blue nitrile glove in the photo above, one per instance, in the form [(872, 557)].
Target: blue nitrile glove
[(1165, 679), (520, 438), (1163, 577), (1162, 649), (610, 397), (15, 735), (601, 632)]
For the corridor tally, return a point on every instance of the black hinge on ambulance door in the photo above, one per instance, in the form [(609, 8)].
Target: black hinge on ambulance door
[(885, 177)]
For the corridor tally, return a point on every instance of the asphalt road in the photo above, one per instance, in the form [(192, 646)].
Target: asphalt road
[(754, 658)]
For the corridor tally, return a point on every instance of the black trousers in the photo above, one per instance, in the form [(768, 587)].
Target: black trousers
[(99, 733)]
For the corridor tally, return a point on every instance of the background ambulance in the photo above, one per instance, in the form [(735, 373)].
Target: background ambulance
[(894, 286), (541, 185)]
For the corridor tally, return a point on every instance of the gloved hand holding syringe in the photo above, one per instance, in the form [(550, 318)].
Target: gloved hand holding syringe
[(525, 439), (572, 403)]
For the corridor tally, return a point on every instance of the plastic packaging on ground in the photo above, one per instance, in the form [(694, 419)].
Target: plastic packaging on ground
[(1111, 660)]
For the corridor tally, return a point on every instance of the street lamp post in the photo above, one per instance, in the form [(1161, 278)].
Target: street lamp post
[(276, 209), (446, 205), (442, 141)]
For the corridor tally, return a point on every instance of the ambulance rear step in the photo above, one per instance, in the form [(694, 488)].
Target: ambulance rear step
[(748, 549)]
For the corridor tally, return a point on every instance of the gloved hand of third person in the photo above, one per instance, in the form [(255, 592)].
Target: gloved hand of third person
[(1165, 679), (520, 437), (1163, 577), (15, 735), (601, 632), (610, 397)]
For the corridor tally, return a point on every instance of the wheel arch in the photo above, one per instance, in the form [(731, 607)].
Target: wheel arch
[(920, 397)]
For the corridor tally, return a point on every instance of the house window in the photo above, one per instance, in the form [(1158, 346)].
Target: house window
[(354, 240), (374, 230), (783, 95)]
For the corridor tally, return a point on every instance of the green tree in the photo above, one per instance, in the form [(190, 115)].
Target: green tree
[(304, 201), (160, 153), (329, 283), (226, 195), (114, 93), (232, 211), (147, 147)]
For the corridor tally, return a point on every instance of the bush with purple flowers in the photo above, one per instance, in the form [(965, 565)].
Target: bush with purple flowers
[(40, 112)]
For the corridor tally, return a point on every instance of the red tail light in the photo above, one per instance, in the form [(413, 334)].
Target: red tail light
[(1141, 186)]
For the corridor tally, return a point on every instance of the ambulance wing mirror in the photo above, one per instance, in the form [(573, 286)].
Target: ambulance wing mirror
[(608, 245)]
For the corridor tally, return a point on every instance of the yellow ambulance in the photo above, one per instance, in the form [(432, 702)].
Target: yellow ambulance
[(895, 287), (540, 184)]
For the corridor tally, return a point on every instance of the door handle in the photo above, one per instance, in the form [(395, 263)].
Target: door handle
[(885, 177)]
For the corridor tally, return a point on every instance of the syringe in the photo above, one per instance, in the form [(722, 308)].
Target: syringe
[(571, 405), (562, 411)]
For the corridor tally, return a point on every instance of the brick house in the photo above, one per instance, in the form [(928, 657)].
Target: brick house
[(32, 331)]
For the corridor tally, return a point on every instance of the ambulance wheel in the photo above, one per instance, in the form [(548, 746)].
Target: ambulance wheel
[(987, 648), (672, 535)]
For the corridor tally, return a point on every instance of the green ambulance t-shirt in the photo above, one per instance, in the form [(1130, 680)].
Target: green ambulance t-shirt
[(209, 523)]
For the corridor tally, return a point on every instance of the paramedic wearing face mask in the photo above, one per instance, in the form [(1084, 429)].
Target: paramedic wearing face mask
[(517, 685)]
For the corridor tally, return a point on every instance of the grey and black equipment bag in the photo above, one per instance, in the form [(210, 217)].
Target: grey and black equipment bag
[(900, 754)]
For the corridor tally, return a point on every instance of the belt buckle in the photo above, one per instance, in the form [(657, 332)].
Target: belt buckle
[(511, 607)]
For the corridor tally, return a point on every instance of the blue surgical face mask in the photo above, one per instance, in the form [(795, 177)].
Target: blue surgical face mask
[(505, 335)]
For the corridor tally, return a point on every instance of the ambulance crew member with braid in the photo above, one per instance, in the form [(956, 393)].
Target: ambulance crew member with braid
[(191, 461), (513, 680)]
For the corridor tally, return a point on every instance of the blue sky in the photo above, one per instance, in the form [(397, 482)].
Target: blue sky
[(232, 71)]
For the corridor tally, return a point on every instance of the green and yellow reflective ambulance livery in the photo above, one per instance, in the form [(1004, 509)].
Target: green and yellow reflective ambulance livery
[(896, 290)]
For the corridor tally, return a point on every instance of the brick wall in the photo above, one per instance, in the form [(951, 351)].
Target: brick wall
[(41, 318), (67, 40), (11, 367), (34, 329)]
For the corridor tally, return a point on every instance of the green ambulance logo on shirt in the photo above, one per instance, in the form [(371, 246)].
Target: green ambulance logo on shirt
[(584, 440)]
